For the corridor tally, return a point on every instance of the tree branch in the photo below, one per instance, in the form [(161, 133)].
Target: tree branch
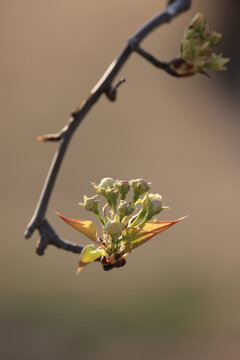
[(49, 237), (104, 86)]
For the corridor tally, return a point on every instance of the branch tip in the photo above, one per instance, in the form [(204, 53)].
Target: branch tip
[(42, 244), (111, 92), (50, 137), (29, 231)]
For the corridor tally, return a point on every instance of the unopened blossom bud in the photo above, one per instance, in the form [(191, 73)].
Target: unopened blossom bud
[(154, 205), (123, 186), (90, 204), (125, 209), (104, 184), (113, 228), (140, 187), (112, 197)]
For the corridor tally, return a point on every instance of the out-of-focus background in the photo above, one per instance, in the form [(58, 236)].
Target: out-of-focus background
[(178, 296)]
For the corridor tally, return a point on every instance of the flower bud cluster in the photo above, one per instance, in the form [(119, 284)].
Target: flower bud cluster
[(118, 212), (196, 53), (128, 207)]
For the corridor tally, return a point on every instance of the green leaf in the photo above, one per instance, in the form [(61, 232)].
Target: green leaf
[(88, 255)]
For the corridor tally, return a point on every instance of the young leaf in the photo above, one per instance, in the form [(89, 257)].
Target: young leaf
[(88, 255), (86, 227), (135, 237)]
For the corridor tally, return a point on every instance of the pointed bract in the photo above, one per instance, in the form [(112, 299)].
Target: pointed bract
[(135, 237), (85, 227)]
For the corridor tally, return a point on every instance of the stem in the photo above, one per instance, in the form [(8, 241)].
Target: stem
[(100, 218), (140, 215), (146, 219)]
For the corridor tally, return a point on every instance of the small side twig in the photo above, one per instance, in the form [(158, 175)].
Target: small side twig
[(158, 63), (112, 91), (49, 237)]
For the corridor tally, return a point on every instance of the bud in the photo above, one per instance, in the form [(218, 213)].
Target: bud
[(113, 228), (104, 184), (214, 38), (90, 204), (125, 209), (140, 187), (112, 196), (123, 188), (197, 50), (153, 204)]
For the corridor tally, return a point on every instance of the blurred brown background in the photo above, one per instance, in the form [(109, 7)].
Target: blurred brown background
[(177, 297)]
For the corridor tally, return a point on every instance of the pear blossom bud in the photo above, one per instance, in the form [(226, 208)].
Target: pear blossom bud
[(123, 186), (153, 204), (125, 208), (104, 184), (90, 204), (112, 196), (140, 187), (113, 228)]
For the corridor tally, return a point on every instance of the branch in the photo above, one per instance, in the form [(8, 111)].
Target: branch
[(49, 237), (158, 63), (104, 86)]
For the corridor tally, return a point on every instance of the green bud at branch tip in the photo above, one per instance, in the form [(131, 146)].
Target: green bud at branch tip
[(196, 51)]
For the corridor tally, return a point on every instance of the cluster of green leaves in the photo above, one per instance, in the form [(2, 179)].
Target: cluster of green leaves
[(123, 227), (196, 52)]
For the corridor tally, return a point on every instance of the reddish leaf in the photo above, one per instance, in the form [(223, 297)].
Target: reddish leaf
[(135, 237), (86, 227)]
